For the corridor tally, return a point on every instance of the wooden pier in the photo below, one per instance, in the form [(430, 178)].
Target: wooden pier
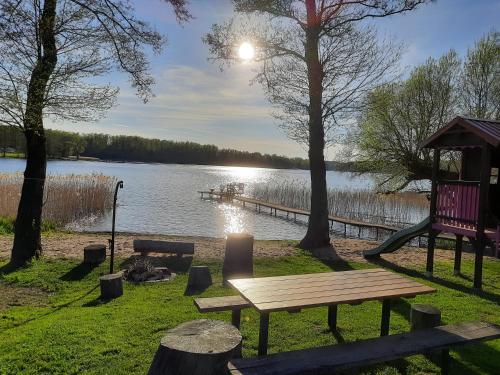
[(273, 208)]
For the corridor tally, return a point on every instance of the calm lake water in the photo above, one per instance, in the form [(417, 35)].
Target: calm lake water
[(163, 198)]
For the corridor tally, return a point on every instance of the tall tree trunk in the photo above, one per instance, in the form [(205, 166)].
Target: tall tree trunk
[(27, 239), (318, 234)]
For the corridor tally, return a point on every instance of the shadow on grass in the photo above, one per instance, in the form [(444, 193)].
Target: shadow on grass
[(438, 280), (10, 267), (56, 309), (79, 272), (175, 263), (97, 302), (329, 257), (194, 291)]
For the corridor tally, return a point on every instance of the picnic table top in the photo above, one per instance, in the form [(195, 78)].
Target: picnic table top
[(268, 294)]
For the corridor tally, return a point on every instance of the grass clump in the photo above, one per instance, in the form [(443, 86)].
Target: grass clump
[(71, 331), (7, 226)]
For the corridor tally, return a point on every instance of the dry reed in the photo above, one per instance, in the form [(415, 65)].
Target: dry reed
[(399, 209), (67, 198)]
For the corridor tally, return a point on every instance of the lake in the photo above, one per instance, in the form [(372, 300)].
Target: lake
[(163, 198)]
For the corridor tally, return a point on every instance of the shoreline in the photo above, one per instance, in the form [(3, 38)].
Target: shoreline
[(71, 244)]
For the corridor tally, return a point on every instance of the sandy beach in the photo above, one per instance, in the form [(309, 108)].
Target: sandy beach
[(70, 245)]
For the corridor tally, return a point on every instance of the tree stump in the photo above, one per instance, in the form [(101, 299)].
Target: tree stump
[(198, 347), (94, 254), (424, 316), (238, 258), (111, 286), (199, 278)]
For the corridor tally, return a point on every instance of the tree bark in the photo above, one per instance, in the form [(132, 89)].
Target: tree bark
[(27, 238), (318, 234)]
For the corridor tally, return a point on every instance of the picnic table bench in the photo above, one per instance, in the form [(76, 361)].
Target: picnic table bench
[(368, 352), (295, 292), (233, 303), (169, 247)]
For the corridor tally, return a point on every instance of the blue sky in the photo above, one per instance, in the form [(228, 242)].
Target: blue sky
[(196, 102)]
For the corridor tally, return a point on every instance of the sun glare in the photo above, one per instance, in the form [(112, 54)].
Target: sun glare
[(246, 51)]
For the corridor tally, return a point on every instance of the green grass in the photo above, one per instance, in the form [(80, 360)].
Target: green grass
[(7, 226), (68, 330), (15, 155)]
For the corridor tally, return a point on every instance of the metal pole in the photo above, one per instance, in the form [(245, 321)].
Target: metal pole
[(119, 185)]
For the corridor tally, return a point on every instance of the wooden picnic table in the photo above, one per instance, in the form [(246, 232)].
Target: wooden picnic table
[(295, 292)]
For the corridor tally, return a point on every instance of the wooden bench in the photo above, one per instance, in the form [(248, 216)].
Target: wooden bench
[(154, 246), (368, 352), (233, 303)]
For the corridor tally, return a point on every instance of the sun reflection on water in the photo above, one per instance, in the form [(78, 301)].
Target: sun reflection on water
[(233, 219)]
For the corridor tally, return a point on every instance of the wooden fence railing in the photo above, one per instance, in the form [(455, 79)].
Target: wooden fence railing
[(458, 203)]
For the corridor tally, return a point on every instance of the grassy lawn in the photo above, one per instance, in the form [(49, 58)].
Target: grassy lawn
[(59, 326)]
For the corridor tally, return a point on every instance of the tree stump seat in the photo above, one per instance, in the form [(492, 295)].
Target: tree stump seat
[(199, 278), (94, 254), (198, 347), (238, 257), (111, 286), (424, 316)]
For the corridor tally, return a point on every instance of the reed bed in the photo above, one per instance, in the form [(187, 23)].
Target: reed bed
[(67, 198), (400, 209)]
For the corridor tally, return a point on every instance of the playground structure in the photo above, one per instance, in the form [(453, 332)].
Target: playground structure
[(468, 206)]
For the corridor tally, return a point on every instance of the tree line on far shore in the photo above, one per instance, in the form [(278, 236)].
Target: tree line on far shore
[(62, 144)]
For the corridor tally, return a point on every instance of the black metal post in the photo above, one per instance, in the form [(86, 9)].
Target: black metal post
[(332, 317), (445, 361), (236, 318), (386, 317), (263, 333), (119, 185)]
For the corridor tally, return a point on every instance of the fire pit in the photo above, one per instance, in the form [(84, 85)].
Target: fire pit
[(143, 271)]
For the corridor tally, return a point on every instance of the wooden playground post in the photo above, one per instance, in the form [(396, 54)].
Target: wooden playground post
[(481, 222), (458, 254), (431, 244)]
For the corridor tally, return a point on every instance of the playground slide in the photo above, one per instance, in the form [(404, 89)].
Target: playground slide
[(399, 239)]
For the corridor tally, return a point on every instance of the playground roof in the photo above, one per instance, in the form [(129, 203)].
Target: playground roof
[(487, 130)]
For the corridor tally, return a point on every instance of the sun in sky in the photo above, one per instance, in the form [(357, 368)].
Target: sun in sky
[(246, 51)]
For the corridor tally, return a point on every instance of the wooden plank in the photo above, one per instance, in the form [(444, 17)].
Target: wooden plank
[(327, 284), (221, 303), (304, 294), (295, 284), (327, 293), (155, 246), (368, 352), (339, 275), (341, 299)]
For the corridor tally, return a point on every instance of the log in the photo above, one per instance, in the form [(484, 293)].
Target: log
[(111, 286), (199, 278), (94, 254), (424, 316), (153, 246), (238, 258), (198, 347)]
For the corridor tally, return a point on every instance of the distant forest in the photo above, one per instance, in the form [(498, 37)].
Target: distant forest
[(61, 144)]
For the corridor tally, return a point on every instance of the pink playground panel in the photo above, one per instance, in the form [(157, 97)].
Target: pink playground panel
[(457, 205)]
